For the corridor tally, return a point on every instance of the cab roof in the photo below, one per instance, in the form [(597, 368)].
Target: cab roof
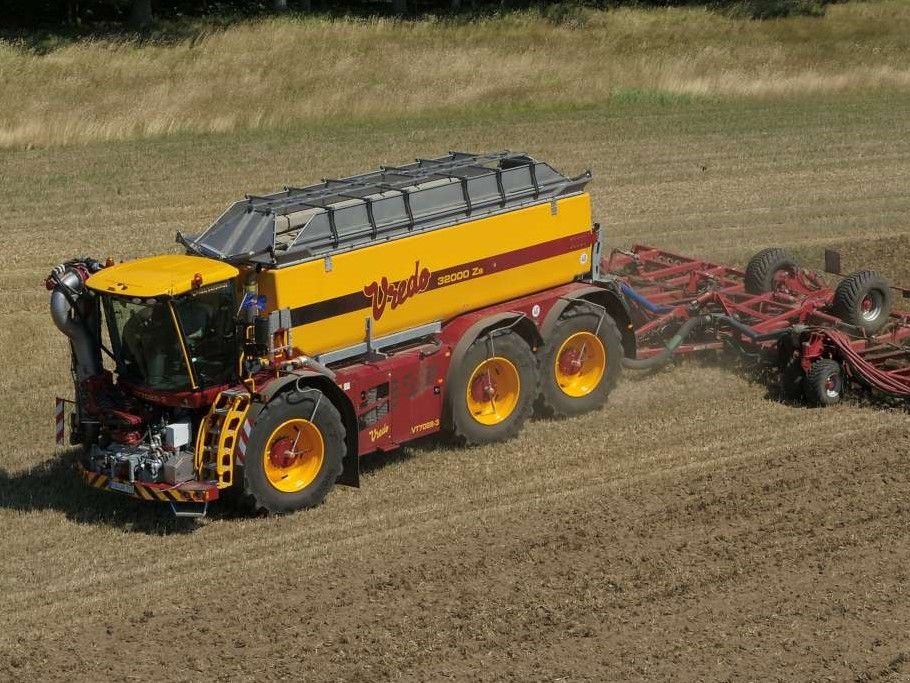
[(167, 275)]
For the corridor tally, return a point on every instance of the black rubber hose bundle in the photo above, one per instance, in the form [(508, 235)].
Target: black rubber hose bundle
[(688, 328), (667, 353)]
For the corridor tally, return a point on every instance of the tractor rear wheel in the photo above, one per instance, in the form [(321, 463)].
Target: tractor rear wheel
[(824, 383), (294, 453), (767, 267), (492, 390), (580, 363), (863, 299)]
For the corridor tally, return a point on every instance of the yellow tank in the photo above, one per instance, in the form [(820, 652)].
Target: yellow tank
[(433, 276)]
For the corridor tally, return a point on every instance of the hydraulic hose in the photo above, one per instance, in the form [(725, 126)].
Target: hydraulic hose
[(642, 300), (686, 329), (690, 326), (667, 353), (748, 331)]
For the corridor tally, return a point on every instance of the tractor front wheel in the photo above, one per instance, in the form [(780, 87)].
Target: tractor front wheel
[(295, 452)]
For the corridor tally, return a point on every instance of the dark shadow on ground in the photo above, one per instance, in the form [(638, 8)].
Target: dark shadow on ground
[(56, 485), (376, 462), (760, 371), (768, 376), (763, 375)]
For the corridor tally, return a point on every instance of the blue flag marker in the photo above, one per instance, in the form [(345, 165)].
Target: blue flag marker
[(250, 300)]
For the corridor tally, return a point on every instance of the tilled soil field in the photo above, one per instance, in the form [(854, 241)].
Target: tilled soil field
[(696, 528), (697, 543)]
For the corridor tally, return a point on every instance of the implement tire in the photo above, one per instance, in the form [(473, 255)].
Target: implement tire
[(763, 269), (824, 383), (491, 394), (294, 453), (580, 363), (863, 300)]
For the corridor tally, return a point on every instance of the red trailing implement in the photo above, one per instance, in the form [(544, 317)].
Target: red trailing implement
[(823, 338)]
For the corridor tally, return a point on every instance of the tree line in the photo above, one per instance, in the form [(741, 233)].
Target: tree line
[(142, 14)]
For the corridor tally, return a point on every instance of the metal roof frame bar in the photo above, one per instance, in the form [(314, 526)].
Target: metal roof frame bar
[(429, 179)]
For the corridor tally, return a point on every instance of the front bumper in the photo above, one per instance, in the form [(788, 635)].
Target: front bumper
[(187, 492)]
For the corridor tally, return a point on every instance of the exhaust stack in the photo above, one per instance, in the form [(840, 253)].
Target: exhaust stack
[(76, 316)]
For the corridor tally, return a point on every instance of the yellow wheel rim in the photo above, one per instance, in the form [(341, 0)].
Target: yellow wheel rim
[(580, 363), (293, 455), (493, 391)]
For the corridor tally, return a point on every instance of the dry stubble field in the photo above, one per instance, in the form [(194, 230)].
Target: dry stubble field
[(695, 528)]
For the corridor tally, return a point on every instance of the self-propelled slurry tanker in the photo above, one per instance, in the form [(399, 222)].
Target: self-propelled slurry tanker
[(315, 325)]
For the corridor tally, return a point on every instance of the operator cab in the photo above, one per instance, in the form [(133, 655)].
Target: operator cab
[(171, 321)]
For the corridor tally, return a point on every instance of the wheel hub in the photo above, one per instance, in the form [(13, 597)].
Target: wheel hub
[(570, 361), (483, 388), (781, 278), (832, 386), (282, 453), (871, 307)]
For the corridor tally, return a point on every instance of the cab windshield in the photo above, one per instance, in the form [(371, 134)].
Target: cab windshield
[(146, 337)]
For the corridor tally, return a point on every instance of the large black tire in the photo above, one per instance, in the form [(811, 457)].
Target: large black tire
[(561, 393), (311, 413), (511, 363), (863, 299), (765, 265), (824, 383)]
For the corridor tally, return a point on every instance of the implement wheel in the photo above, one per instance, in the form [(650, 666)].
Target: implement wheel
[(492, 391), (863, 299), (824, 383), (294, 453), (580, 363), (767, 268)]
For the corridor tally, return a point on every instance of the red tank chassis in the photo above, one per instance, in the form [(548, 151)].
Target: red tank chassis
[(666, 290)]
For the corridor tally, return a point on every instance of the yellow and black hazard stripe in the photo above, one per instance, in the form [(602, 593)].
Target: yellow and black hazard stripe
[(169, 495), (95, 479)]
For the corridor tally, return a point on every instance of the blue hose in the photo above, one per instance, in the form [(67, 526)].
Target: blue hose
[(642, 300)]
